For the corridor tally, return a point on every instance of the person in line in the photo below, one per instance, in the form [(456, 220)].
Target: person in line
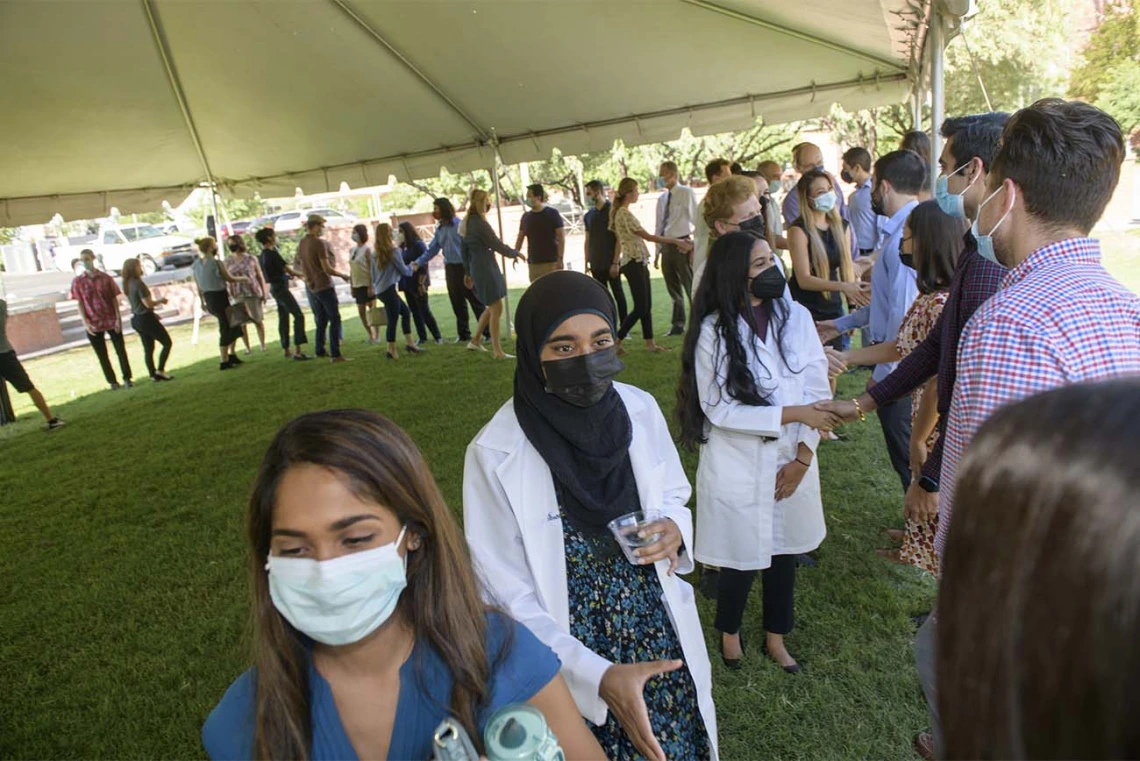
[(569, 453), (211, 277), (387, 268), (866, 223), (544, 230), (96, 296), (918, 142), (821, 243), (751, 370), (483, 275), (899, 176), (602, 258), (144, 321), (277, 274), (253, 292), (635, 261), (368, 627), (1038, 590), (12, 371), (715, 171), (449, 240), (360, 267), (733, 205), (676, 210), (971, 143), (805, 157), (773, 173), (416, 287), (315, 260), (931, 244)]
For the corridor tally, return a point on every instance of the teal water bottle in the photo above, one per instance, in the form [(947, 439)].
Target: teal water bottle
[(519, 733)]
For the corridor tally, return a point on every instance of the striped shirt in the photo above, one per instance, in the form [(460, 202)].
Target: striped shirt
[(1059, 318)]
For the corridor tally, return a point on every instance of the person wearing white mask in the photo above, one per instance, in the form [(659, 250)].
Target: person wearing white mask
[(360, 267), (368, 626)]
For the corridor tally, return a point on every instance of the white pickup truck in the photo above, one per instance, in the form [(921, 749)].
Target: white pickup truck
[(115, 244)]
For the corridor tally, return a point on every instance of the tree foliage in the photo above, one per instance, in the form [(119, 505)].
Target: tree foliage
[(1120, 95), (1115, 44)]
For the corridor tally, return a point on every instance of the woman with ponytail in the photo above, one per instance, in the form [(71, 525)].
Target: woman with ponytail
[(368, 626)]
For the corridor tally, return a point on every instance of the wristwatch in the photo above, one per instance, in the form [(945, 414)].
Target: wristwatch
[(928, 484)]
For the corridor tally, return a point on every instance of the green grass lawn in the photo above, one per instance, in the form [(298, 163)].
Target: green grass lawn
[(124, 597)]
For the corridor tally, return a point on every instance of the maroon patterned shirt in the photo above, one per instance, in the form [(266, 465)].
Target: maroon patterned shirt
[(98, 293)]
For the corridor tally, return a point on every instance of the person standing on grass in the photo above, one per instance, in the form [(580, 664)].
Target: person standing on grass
[(144, 321), (676, 209), (12, 371), (96, 295), (314, 259), (277, 274), (601, 245), (368, 627), (211, 277), (806, 157), (571, 452), (416, 287), (360, 267), (449, 240), (387, 268), (479, 247), (635, 261), (545, 233), (715, 171), (253, 292), (751, 370)]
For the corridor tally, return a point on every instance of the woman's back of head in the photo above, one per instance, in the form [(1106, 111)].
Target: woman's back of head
[(1039, 613)]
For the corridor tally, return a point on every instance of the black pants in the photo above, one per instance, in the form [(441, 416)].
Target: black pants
[(895, 420), (614, 284), (287, 307), (637, 274), (779, 592), (326, 313), (460, 296), (151, 331), (678, 272), (396, 308), (421, 314), (99, 344), (216, 303)]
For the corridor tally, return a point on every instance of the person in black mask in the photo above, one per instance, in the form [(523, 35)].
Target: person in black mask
[(751, 370), (571, 452)]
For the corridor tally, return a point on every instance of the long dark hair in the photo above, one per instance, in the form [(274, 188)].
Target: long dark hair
[(441, 603), (446, 210), (723, 294), (410, 234), (937, 241), (1039, 613)]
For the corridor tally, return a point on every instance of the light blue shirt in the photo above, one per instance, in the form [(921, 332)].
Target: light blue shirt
[(865, 221), (893, 289), (446, 239), (383, 279)]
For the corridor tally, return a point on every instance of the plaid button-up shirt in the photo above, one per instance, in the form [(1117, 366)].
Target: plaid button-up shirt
[(975, 280), (98, 293), (1060, 318)]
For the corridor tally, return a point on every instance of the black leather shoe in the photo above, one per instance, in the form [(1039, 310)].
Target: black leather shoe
[(734, 663), (795, 668)]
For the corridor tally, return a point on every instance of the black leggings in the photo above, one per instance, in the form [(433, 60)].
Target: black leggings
[(421, 314), (151, 331), (216, 304), (637, 273), (779, 582), (395, 307)]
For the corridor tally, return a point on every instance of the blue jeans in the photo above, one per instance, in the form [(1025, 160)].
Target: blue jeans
[(396, 308), (326, 312), (287, 307)]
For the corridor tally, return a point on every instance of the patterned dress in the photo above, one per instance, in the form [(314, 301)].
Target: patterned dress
[(918, 541), (617, 612)]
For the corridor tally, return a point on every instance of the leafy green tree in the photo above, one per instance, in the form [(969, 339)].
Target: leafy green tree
[(1120, 95), (1114, 44)]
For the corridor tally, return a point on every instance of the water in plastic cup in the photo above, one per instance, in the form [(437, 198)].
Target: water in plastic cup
[(626, 529)]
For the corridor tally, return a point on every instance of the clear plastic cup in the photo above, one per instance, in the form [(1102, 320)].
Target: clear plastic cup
[(627, 528)]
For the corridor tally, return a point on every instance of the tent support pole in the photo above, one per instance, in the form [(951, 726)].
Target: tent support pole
[(496, 160), (936, 41)]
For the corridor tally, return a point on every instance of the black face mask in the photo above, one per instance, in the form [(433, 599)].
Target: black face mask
[(846, 177), (907, 260), (583, 381), (235, 247), (753, 225), (877, 203), (769, 284)]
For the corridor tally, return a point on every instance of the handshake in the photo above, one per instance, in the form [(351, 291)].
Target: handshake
[(827, 416)]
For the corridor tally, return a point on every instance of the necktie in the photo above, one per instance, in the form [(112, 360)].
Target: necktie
[(665, 216)]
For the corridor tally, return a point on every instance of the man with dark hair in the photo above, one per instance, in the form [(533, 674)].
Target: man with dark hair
[(448, 240), (315, 262), (805, 157), (96, 296), (277, 274), (857, 172), (676, 210), (545, 234), (899, 177), (601, 245), (717, 170)]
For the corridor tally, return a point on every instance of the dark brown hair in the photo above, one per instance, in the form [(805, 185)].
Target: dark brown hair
[(1065, 157), (712, 169), (131, 270), (441, 603), (905, 170), (1039, 614), (859, 157), (362, 231), (410, 233), (918, 142), (938, 240)]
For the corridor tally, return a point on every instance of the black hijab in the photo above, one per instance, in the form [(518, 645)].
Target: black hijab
[(587, 449)]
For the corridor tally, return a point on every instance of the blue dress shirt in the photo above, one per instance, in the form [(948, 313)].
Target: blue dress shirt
[(446, 239), (866, 222)]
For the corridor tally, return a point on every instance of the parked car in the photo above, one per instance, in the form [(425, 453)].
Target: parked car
[(572, 215), (114, 244), (239, 227)]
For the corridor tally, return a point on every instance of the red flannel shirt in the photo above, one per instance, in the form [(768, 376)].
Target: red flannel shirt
[(98, 293)]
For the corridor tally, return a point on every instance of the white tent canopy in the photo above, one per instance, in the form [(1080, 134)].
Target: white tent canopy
[(128, 102)]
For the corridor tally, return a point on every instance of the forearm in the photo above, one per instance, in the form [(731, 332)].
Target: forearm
[(877, 354), (860, 318), (933, 467), (915, 369), (519, 242), (561, 245), (926, 419)]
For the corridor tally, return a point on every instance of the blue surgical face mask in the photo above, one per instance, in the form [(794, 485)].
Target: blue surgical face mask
[(952, 203), (339, 601), (825, 202), (986, 242)]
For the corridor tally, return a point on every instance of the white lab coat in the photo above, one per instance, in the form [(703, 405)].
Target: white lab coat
[(513, 526), (739, 522)]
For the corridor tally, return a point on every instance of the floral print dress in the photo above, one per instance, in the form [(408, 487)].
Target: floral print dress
[(616, 610), (918, 540)]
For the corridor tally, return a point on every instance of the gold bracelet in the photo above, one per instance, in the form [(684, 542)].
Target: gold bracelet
[(859, 409)]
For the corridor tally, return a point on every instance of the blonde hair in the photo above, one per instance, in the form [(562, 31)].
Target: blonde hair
[(723, 198), (384, 249), (479, 199), (817, 252), (206, 245), (131, 270), (625, 187)]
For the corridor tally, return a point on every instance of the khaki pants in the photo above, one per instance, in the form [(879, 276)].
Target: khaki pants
[(538, 270)]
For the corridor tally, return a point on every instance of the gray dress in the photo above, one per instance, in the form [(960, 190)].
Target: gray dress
[(479, 246)]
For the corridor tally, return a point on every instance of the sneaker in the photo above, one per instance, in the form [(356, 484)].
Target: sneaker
[(302, 357), (439, 342), (472, 346), (115, 386), (235, 361), (225, 366), (676, 332), (55, 423), (413, 349), (161, 376)]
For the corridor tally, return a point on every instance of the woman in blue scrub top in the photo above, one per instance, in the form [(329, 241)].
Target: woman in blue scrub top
[(368, 624)]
